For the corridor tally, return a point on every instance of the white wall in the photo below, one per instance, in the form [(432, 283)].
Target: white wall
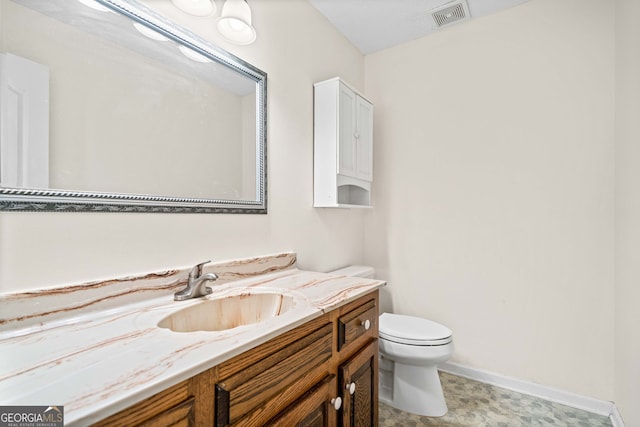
[(494, 189), (296, 47), (627, 361)]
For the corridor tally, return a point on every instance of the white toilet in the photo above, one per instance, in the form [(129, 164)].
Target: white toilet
[(410, 350)]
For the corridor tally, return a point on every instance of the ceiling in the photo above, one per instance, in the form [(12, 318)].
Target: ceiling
[(373, 25)]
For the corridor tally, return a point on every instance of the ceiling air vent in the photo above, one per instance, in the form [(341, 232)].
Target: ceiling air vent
[(450, 13)]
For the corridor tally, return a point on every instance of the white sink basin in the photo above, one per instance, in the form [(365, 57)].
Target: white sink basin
[(223, 313)]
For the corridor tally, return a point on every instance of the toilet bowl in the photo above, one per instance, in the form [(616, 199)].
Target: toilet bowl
[(410, 350)]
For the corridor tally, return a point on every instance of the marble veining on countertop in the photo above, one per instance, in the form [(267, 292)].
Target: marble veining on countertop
[(97, 349)]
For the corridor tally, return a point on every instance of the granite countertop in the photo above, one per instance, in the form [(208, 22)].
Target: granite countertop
[(97, 349)]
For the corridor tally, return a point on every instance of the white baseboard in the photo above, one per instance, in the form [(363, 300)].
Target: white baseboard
[(597, 406)]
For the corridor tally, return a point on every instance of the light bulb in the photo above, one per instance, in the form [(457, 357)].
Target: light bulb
[(236, 24)]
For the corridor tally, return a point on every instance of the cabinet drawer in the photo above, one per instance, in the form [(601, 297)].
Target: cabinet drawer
[(240, 398), (361, 321)]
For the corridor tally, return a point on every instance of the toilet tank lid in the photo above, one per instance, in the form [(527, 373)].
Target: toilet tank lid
[(412, 329), (354, 271)]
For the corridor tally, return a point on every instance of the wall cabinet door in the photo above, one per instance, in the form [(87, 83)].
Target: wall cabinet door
[(364, 139), (360, 389), (355, 135), (347, 156)]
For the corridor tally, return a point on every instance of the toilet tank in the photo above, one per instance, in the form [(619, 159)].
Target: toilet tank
[(355, 271)]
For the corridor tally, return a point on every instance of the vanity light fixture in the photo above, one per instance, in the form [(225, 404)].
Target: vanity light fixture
[(148, 32), (234, 23), (196, 7)]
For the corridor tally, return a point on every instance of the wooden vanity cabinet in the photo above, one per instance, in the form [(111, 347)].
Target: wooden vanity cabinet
[(298, 378)]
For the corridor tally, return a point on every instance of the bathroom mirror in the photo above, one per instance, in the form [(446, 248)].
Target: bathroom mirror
[(106, 105)]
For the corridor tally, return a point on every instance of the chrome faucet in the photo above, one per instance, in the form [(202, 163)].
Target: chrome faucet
[(196, 286)]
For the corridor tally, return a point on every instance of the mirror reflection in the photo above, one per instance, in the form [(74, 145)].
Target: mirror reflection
[(96, 102)]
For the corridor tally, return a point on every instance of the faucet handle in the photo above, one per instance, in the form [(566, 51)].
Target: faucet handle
[(197, 270)]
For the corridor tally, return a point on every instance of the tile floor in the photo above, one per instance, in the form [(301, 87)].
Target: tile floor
[(475, 404)]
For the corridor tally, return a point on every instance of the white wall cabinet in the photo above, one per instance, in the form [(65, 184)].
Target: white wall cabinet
[(343, 146)]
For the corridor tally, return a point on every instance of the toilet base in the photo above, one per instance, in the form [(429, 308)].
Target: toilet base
[(416, 389)]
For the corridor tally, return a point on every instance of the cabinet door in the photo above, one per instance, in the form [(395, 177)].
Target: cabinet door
[(175, 406), (355, 135), (179, 416), (314, 409), (359, 382), (364, 139), (347, 156), (258, 392)]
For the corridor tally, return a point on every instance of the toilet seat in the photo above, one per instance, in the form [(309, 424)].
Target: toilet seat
[(412, 330)]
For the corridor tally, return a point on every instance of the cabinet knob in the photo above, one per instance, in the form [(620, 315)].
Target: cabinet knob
[(366, 324), (336, 402), (351, 387), (356, 135)]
